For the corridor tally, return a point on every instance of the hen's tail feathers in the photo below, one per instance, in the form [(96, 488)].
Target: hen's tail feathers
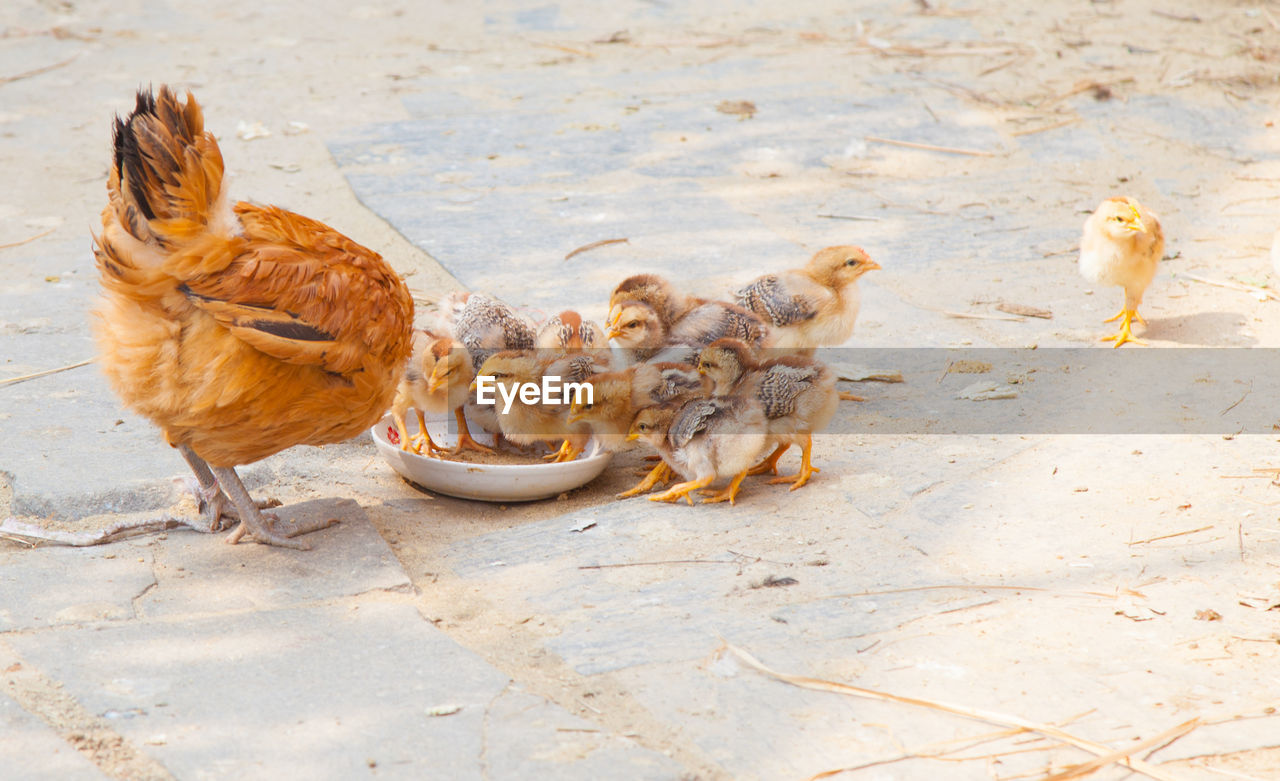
[(166, 183)]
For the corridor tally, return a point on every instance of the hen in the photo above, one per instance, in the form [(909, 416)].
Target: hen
[(1121, 245), (240, 330)]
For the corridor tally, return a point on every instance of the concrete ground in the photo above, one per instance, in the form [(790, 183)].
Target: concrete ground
[(1122, 585)]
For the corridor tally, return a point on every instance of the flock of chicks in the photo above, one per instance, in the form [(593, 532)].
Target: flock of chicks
[(241, 330), (717, 389)]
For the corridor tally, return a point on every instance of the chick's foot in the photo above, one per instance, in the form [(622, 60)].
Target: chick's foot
[(681, 491), (660, 473), (729, 493), (1126, 323)]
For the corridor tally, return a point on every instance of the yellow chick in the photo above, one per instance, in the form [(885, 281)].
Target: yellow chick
[(797, 393), (617, 396), (1121, 245), (703, 440), (569, 332), (640, 330), (814, 306), (658, 292), (526, 417), (437, 380)]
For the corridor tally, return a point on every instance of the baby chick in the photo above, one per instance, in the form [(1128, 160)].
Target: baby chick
[(1121, 245), (437, 379), (525, 421), (640, 329), (485, 325), (637, 328), (814, 306), (662, 296), (714, 320), (797, 393), (702, 440), (568, 332), (617, 396)]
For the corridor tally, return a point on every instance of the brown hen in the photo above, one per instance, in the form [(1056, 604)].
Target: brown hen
[(240, 330)]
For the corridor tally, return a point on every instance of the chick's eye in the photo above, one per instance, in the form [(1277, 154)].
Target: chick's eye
[(632, 324), (851, 262)]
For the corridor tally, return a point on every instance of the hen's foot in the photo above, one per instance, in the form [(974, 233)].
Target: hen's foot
[(263, 526)]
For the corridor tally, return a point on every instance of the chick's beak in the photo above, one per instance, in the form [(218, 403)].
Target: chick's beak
[(434, 382), (633, 435), (473, 385), (870, 265), (1134, 223), (614, 332)]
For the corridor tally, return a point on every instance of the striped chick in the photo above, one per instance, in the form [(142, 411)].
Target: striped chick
[(797, 393), (702, 440)]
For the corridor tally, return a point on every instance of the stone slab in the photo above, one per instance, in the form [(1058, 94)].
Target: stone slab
[(326, 692)]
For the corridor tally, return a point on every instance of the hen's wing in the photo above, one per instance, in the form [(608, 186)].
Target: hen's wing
[(302, 293)]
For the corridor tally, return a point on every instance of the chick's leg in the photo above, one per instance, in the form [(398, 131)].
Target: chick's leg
[(464, 435), (681, 491), (806, 468), (567, 452), (660, 473), (423, 437), (254, 521), (730, 492), (1125, 334), (770, 464)]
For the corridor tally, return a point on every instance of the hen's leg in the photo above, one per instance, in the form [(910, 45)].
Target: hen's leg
[(254, 521), (212, 502)]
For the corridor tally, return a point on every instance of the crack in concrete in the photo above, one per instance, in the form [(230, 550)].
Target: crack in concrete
[(484, 729)]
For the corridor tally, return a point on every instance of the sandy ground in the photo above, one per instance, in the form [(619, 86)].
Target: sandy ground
[(1158, 524)]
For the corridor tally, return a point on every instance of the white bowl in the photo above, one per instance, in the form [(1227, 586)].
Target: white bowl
[(486, 482)]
